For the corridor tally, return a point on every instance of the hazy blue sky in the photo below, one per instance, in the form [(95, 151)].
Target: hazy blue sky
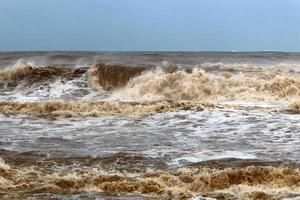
[(158, 25)]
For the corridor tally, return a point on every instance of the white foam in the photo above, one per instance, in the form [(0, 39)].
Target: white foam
[(209, 155)]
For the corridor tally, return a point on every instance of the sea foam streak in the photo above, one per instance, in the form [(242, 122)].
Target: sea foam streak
[(97, 108)]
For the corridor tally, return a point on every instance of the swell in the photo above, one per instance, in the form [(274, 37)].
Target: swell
[(96, 108), (250, 67), (244, 183)]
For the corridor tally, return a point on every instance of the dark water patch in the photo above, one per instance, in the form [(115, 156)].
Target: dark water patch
[(119, 161)]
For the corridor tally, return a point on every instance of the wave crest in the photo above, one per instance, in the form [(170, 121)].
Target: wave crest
[(33, 74), (197, 85), (149, 83)]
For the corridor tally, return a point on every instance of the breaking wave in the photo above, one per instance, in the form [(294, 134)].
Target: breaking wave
[(31, 74), (108, 76), (200, 85), (116, 83), (245, 183)]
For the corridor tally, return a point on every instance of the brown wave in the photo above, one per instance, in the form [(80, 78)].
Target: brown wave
[(197, 85), (244, 183), (106, 76), (96, 108), (112, 76), (31, 74), (109, 76), (170, 83)]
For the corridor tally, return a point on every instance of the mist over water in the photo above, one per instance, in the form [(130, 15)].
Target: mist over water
[(150, 125)]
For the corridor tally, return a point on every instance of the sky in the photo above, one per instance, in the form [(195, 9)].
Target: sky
[(150, 25)]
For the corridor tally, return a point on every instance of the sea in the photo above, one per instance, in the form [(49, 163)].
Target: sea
[(150, 125)]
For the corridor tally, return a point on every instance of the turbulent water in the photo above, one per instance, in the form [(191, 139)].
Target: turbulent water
[(87, 125)]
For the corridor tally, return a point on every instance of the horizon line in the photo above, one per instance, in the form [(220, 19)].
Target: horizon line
[(149, 51)]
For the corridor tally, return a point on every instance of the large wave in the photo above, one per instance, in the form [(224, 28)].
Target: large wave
[(199, 85), (142, 84)]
